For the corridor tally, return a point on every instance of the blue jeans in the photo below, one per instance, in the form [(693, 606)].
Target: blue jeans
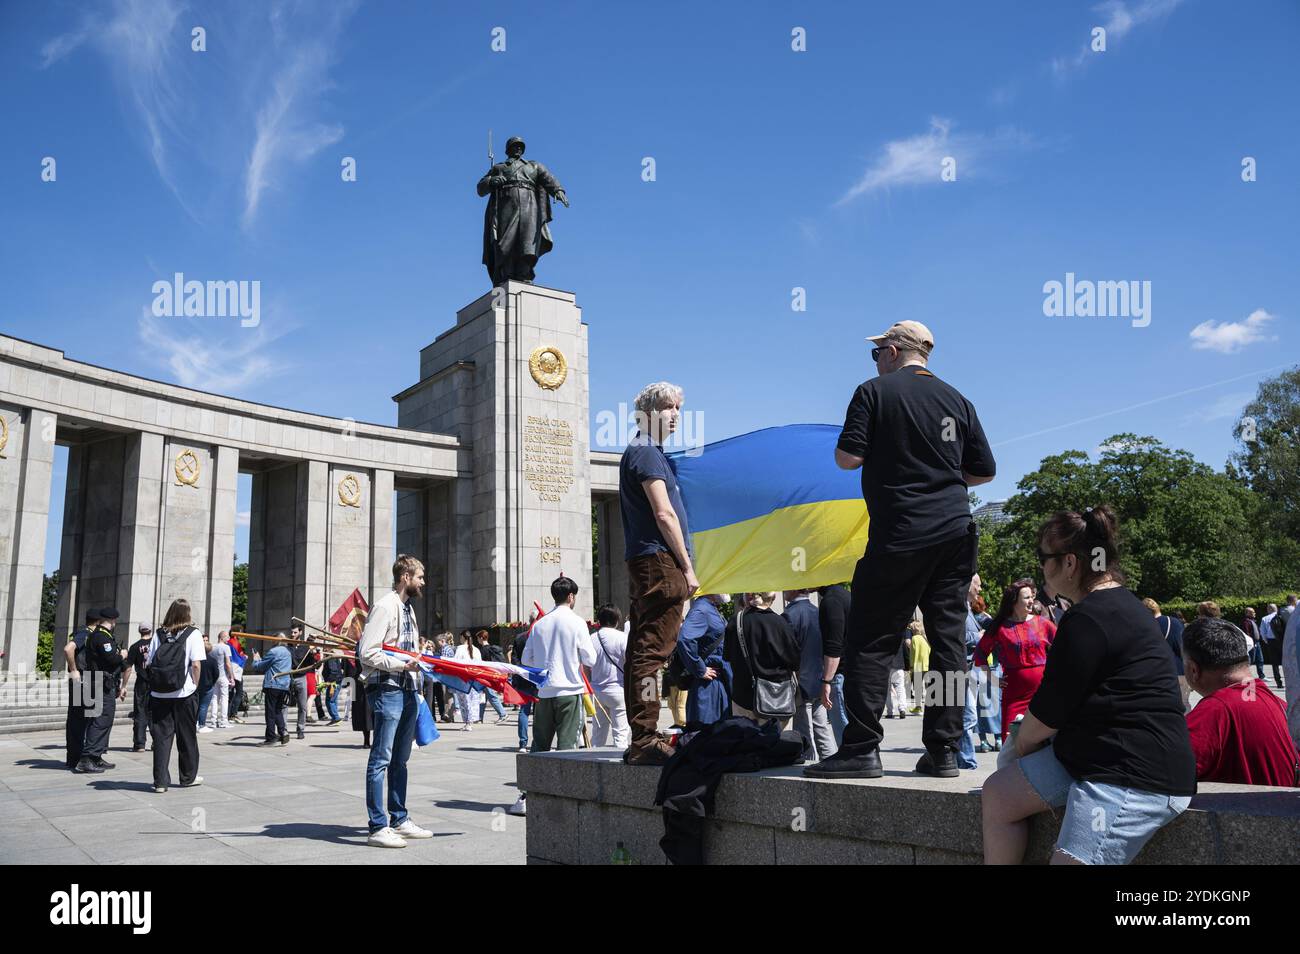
[(332, 700), (524, 711), (1257, 657), (206, 700), (494, 698), (966, 745), (393, 712), (1104, 824), (989, 699), (839, 717)]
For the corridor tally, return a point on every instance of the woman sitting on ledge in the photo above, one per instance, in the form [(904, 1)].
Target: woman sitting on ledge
[(1104, 737)]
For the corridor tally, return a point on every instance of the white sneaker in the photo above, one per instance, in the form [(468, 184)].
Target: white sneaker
[(198, 780), (206, 728), (386, 838), (409, 829), (523, 750), (520, 807), (223, 725)]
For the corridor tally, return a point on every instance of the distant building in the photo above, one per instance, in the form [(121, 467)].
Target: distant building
[(993, 511)]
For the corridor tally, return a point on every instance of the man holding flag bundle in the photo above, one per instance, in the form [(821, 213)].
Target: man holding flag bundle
[(393, 694)]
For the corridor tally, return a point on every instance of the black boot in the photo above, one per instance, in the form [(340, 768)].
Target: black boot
[(88, 766), (939, 764), (99, 760), (866, 765)]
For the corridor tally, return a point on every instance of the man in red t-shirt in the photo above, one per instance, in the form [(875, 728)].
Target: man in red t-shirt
[(1238, 729)]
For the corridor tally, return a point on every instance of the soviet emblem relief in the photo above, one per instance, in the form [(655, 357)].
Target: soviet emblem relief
[(350, 491), (187, 468), (548, 367)]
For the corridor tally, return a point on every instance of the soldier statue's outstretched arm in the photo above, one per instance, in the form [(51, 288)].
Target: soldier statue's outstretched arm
[(551, 184)]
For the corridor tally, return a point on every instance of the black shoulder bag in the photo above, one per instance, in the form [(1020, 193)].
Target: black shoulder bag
[(772, 699)]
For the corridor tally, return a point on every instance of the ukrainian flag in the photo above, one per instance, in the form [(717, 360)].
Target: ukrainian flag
[(770, 510)]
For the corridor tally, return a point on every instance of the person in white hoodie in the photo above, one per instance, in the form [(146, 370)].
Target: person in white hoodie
[(561, 644)]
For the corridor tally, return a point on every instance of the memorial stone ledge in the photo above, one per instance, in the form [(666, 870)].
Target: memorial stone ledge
[(582, 803)]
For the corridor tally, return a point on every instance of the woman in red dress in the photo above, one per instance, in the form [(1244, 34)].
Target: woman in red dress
[(1021, 641)]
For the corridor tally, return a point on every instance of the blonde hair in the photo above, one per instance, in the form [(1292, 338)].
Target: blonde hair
[(405, 564), (916, 627), (763, 600), (1209, 609), (1152, 605)]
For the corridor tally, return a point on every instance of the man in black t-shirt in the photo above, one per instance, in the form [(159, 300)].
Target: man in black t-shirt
[(920, 446), (74, 654), (135, 660)]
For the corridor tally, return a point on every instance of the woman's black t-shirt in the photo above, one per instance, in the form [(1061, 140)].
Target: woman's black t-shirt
[(1110, 692)]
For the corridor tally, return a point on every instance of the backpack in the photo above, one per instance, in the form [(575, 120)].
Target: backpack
[(167, 669), (1278, 624)]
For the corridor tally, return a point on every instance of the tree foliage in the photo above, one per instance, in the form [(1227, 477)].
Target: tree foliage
[(239, 598), (1268, 450), (1186, 530)]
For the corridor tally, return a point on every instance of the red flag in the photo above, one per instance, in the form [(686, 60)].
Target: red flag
[(350, 618)]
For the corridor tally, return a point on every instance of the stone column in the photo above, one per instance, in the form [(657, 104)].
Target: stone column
[(610, 542), (311, 541), (381, 536), (137, 550), (70, 552), (221, 564), (257, 622), (24, 518)]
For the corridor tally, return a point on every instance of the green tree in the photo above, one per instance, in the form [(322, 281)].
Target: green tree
[(1268, 456), (239, 598), (1186, 530), (49, 601)]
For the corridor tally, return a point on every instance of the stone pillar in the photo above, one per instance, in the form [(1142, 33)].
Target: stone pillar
[(191, 475), (609, 543), (257, 617), (381, 537), (25, 471), (495, 374), (311, 541), (460, 556), (66, 619), (351, 503), (221, 564), (137, 551)]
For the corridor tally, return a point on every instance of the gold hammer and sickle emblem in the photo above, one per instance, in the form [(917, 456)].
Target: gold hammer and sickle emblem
[(350, 491), (187, 468), (548, 367)]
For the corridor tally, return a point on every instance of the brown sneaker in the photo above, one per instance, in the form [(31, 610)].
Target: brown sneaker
[(658, 752)]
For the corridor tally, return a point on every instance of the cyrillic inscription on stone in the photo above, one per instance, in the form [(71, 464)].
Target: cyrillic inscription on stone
[(548, 457)]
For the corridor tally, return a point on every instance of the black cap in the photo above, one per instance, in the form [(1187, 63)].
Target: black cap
[(109, 612), (92, 616)]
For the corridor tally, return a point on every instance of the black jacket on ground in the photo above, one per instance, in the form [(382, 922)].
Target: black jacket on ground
[(688, 782)]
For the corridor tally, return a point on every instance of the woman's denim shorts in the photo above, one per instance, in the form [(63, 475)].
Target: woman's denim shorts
[(1104, 824)]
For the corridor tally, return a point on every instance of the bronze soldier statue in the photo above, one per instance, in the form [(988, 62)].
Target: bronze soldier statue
[(515, 234)]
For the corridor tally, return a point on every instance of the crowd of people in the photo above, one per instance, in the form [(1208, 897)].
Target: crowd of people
[(1083, 689)]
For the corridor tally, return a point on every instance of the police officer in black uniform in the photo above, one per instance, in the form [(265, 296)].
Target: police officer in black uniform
[(74, 652), (103, 664)]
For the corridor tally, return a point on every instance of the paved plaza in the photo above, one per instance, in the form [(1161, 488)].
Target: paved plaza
[(300, 803)]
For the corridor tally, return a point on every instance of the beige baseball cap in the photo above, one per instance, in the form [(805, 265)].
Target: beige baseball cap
[(909, 333)]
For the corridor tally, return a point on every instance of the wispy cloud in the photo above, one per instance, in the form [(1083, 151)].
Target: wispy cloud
[(139, 40), (286, 130), (243, 518), (1119, 19), (1227, 337), (263, 101), (918, 160), (226, 363)]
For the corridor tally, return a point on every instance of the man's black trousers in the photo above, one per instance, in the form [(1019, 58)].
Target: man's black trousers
[(887, 587)]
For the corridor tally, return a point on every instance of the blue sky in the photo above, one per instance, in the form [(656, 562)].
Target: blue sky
[(775, 169)]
